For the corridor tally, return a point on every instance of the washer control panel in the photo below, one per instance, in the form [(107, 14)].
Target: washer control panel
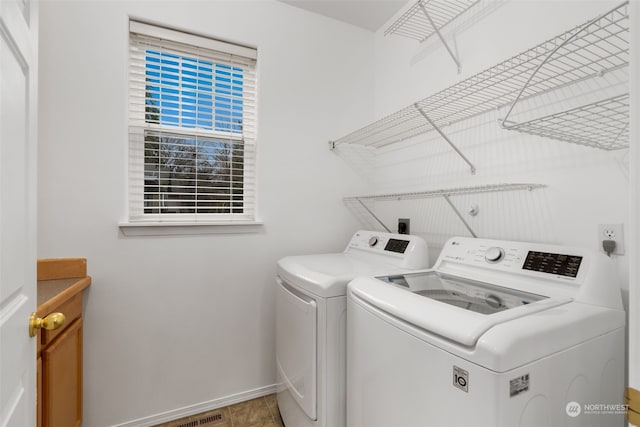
[(514, 256), (547, 262), (581, 274)]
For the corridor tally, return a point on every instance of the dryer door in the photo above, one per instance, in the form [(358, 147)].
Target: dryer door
[(296, 351)]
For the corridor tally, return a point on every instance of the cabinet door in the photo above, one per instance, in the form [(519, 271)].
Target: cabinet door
[(62, 379), (39, 391)]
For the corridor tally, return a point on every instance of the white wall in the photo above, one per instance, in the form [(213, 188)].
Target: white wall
[(177, 321), (585, 186), (634, 287)]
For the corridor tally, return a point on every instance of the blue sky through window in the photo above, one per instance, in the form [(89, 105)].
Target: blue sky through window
[(193, 93)]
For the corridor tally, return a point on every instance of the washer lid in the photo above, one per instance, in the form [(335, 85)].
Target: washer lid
[(463, 293), (451, 319), (327, 275)]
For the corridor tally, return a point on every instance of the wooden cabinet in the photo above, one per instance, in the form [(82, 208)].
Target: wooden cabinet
[(62, 379), (60, 350)]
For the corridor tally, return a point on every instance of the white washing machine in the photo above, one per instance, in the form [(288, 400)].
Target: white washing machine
[(311, 321), (497, 334)]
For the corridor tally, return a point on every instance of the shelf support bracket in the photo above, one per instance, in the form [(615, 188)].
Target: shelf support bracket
[(459, 215), (442, 134), (437, 30), (622, 131), (504, 123), (373, 215)]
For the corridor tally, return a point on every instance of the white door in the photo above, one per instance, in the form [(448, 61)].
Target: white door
[(18, 86)]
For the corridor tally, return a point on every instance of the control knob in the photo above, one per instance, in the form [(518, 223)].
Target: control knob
[(373, 241), (494, 254)]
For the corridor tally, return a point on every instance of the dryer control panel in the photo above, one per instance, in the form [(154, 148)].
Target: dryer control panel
[(408, 250)]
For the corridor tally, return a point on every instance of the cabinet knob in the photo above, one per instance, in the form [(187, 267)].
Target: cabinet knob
[(51, 322)]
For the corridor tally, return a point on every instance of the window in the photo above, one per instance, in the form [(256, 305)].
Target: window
[(192, 119)]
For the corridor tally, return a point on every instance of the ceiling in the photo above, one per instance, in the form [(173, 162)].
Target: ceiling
[(367, 14)]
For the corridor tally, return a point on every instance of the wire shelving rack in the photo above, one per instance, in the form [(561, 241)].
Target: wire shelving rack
[(586, 51), (414, 24), (603, 124), (427, 17), (445, 193)]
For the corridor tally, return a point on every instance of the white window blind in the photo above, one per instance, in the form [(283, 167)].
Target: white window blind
[(192, 128)]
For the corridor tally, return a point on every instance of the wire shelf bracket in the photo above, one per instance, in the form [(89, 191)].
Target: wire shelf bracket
[(597, 41), (374, 216), (437, 31), (459, 215), (419, 23), (444, 136), (445, 194)]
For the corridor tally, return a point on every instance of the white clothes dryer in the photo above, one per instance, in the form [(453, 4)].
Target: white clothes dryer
[(311, 321), (497, 334)]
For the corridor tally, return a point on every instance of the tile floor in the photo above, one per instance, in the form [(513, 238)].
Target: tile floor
[(260, 412)]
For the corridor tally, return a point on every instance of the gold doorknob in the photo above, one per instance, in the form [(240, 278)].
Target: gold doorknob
[(51, 322)]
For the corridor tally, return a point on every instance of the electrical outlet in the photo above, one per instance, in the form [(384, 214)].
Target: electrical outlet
[(403, 226), (613, 232)]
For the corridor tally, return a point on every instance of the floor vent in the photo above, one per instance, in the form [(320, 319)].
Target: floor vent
[(205, 420), (211, 419)]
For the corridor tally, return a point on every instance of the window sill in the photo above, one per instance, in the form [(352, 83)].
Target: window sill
[(133, 229)]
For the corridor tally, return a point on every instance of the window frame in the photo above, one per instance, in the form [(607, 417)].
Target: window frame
[(239, 56)]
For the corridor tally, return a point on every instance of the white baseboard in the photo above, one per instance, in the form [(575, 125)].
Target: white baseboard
[(199, 408)]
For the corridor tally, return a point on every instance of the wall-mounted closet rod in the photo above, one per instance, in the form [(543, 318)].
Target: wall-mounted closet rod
[(437, 30), (442, 134)]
